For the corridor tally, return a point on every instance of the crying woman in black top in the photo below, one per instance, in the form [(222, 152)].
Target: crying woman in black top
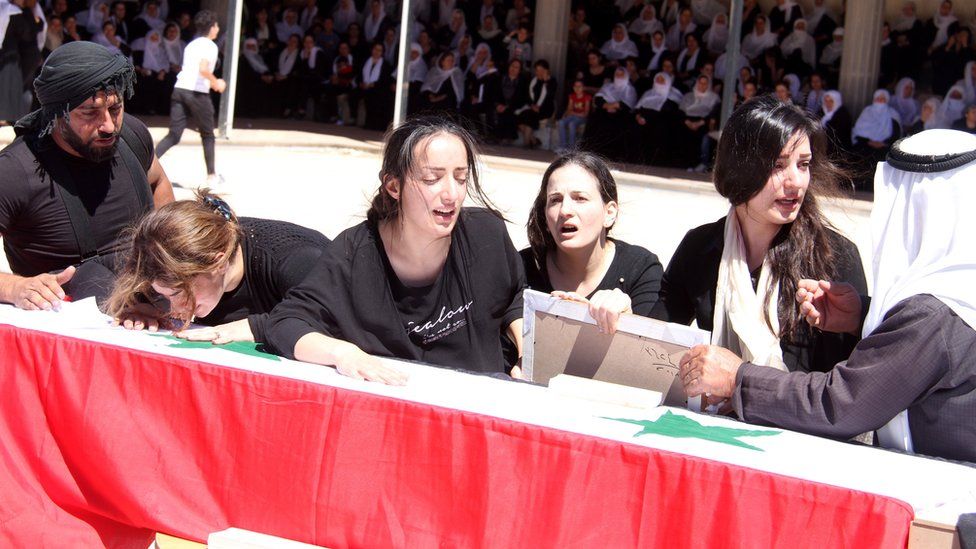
[(421, 279)]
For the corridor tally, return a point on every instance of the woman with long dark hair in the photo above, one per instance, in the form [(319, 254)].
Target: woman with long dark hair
[(571, 252), (421, 278), (738, 276)]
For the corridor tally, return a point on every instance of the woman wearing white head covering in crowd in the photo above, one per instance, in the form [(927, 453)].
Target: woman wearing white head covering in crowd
[(656, 114), (669, 12), (619, 46), (830, 57), (464, 53), (876, 129), (659, 51), (689, 63), (444, 87), (479, 62), (837, 123), (968, 121), (376, 21), (759, 40), (110, 40), (799, 50), (905, 103), (783, 15), (416, 75), (721, 65), (154, 81), (796, 92), (813, 99), (717, 35), (821, 22), (98, 13), (705, 11), (173, 46), (483, 89), (375, 89), (646, 24), (344, 15), (612, 107), (287, 83), (952, 106), (699, 109), (941, 25), (256, 81), (928, 117), (450, 35), (679, 30), (968, 82)]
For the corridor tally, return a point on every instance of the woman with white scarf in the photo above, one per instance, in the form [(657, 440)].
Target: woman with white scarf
[(940, 25), (699, 109), (444, 87), (344, 15), (837, 124), (876, 130), (928, 117), (952, 106), (173, 47), (830, 56), (656, 114), (659, 52), (968, 82), (375, 90), (759, 40), (619, 46), (678, 31), (705, 11), (646, 23), (795, 87), (612, 106), (738, 276), (154, 80), (799, 49), (480, 61), (783, 15), (375, 23), (451, 35), (286, 77), (256, 81), (905, 103), (717, 36)]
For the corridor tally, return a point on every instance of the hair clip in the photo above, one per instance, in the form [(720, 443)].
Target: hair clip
[(219, 206)]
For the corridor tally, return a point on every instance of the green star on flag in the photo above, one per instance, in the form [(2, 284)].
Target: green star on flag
[(243, 347), (679, 426)]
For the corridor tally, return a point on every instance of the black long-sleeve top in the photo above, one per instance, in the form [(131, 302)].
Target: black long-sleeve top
[(688, 293), (919, 358), (634, 269), (353, 294), (277, 257)]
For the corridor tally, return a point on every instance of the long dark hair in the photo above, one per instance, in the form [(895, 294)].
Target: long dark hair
[(540, 240), (400, 163), (751, 142)]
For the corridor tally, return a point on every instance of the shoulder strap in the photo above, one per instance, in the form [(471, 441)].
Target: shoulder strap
[(68, 190), (136, 172)]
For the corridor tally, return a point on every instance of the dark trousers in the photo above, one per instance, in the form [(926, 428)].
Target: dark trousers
[(199, 106)]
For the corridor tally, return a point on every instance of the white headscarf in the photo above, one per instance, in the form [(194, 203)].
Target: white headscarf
[(952, 109), (659, 93), (829, 113), (942, 23), (417, 68), (717, 36), (920, 227), (800, 39), (615, 50), (833, 50), (371, 25), (908, 108), (254, 58), (676, 34), (739, 322), (793, 82), (476, 68), (657, 53), (816, 14), (969, 83), (436, 77), (755, 44), (903, 23), (705, 11), (344, 15), (154, 56), (619, 90), (934, 122), (444, 10), (875, 122), (95, 18), (154, 23), (698, 104), (310, 57), (174, 50), (7, 10), (372, 69), (721, 63), (647, 22), (460, 31)]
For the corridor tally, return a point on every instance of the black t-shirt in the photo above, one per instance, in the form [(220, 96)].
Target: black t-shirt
[(634, 269), (37, 233), (277, 257), (353, 295)]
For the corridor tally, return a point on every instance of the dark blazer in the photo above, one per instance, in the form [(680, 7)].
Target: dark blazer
[(688, 293)]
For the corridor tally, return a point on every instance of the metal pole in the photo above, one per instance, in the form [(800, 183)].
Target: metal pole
[(232, 46), (732, 60), (403, 60)]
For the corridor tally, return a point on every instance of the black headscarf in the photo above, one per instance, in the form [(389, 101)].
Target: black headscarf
[(71, 74)]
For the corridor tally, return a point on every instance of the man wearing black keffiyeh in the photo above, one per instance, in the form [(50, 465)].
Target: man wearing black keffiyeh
[(79, 172)]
